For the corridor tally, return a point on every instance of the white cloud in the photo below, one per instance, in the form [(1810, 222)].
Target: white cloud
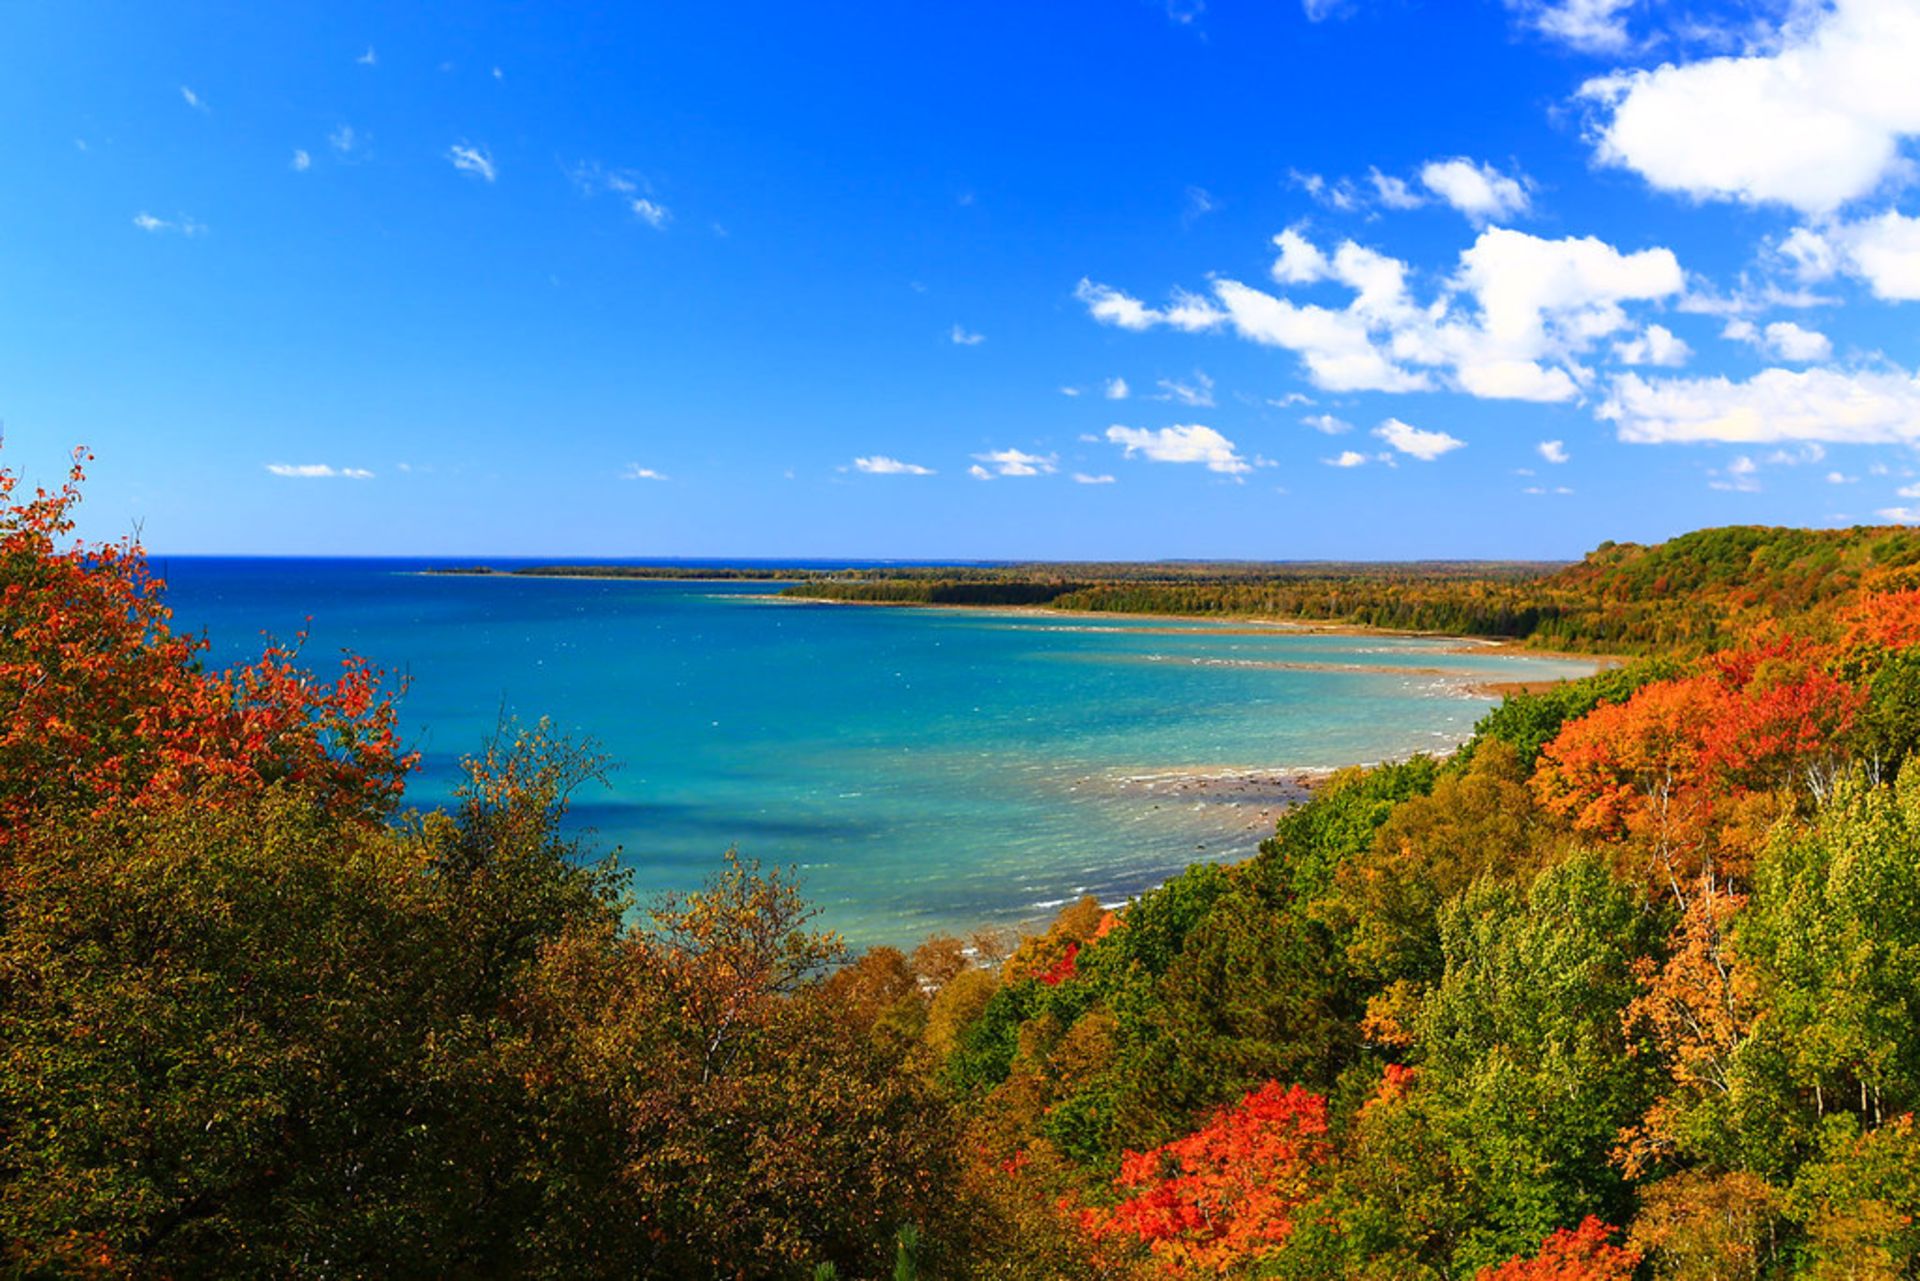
[(1341, 195), (192, 99), (647, 211), (964, 338), (1181, 444), (1656, 345), (1903, 515), (1554, 451), (1347, 458), (183, 226), (1300, 261), (301, 161), (1592, 26), (1841, 478), (1410, 440), (369, 58), (979, 473), (1327, 424), (635, 471), (1069, 391), (1479, 191), (1198, 394), (1510, 323), (1394, 192), (1782, 339), (1830, 405), (1883, 251), (1117, 389), (881, 465), (1321, 10), (318, 471), (1813, 118), (1012, 462), (1742, 475), (1082, 478), (343, 139), (477, 161)]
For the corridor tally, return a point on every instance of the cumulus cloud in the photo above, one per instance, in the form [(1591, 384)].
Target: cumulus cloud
[(1395, 193), (318, 471), (1782, 339), (1412, 441), (1828, 405), (1346, 458), (1191, 443), (1327, 424), (477, 161), (1554, 451), (1012, 462), (1882, 250), (1742, 475), (1510, 323), (1479, 191), (964, 338), (1812, 118), (1656, 345), (1117, 389), (635, 471), (881, 465)]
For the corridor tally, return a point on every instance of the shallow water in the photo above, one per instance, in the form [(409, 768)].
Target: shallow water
[(924, 769)]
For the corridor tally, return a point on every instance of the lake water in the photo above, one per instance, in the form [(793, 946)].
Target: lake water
[(923, 769)]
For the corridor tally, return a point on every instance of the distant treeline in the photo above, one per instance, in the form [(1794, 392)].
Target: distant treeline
[(772, 575), (1690, 593)]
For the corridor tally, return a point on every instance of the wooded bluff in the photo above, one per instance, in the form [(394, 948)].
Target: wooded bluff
[(1626, 987)]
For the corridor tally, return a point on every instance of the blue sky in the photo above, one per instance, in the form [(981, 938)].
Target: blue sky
[(1379, 279)]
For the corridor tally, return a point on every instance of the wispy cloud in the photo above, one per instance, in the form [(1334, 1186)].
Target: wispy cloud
[(318, 471), (647, 211), (1197, 394), (1117, 389), (965, 338), (181, 226), (477, 161), (369, 58), (343, 139), (635, 471), (1327, 424), (301, 161), (192, 99), (881, 465), (1082, 478)]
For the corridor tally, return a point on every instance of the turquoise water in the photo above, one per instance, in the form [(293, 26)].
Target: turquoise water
[(924, 769)]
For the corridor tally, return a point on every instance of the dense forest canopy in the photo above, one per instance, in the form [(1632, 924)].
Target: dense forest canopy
[(1629, 986)]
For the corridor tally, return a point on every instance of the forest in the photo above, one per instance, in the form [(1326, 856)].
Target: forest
[(1695, 592), (1626, 987)]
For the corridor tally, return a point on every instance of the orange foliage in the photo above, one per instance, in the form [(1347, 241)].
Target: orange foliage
[(1657, 771), (102, 704), (1225, 1195), (1585, 1253)]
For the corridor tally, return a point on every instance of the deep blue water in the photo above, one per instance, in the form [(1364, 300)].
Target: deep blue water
[(924, 769)]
